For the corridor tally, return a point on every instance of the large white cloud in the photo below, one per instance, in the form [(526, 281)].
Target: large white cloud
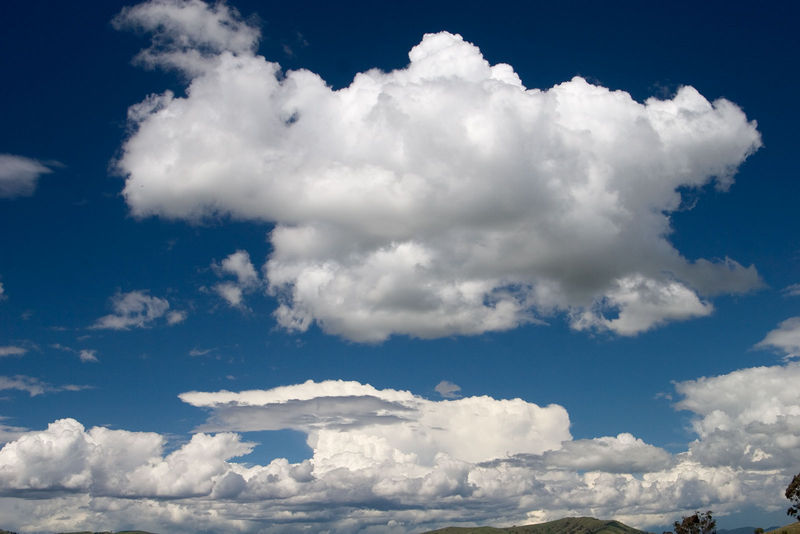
[(443, 198), (18, 176), (391, 461)]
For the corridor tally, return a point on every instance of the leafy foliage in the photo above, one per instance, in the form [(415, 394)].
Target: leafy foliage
[(793, 494), (697, 523)]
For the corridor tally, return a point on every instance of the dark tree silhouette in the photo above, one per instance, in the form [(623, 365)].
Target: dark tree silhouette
[(793, 494), (697, 523)]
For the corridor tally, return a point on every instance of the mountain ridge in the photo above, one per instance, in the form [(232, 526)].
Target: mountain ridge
[(567, 525)]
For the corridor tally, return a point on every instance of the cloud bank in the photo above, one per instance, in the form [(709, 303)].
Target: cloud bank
[(444, 198), (390, 461)]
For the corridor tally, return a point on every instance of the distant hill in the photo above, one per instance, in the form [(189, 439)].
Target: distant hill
[(794, 528), (568, 525), (742, 530)]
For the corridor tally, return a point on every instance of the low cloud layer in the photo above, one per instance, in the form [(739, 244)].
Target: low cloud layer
[(18, 175), (444, 198), (391, 461)]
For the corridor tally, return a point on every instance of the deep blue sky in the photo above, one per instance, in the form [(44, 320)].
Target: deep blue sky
[(69, 247)]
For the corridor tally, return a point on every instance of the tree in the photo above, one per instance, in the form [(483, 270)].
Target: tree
[(793, 494), (697, 523)]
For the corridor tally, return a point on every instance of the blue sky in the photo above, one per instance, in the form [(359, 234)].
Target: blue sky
[(454, 263)]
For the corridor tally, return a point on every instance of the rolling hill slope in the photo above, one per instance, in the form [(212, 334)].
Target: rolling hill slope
[(568, 525)]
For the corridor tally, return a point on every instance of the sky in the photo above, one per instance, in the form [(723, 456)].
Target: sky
[(384, 267)]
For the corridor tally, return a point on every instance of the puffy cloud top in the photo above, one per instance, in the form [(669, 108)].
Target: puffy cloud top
[(442, 198), (749, 417), (341, 416)]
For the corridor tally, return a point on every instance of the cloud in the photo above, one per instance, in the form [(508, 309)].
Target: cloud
[(87, 355), (785, 338), (18, 176), (444, 198), (186, 33), (2, 292), (396, 421), (137, 309), (746, 419), (621, 454), (11, 350), (792, 290), (447, 389), (247, 280), (176, 317), (384, 459), (33, 386), (10, 432)]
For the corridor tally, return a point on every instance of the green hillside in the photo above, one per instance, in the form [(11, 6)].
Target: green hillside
[(568, 525)]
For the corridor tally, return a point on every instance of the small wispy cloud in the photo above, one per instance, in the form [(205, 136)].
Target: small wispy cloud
[(18, 175), (33, 386), (785, 338), (791, 291), (12, 350), (85, 355), (137, 309), (448, 390), (247, 280)]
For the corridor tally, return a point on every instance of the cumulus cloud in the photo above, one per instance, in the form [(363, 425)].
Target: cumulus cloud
[(247, 280), (396, 423), (18, 176), (2, 292), (747, 419), (384, 459), (444, 198), (785, 338), (10, 432), (137, 309), (12, 350), (387, 460)]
